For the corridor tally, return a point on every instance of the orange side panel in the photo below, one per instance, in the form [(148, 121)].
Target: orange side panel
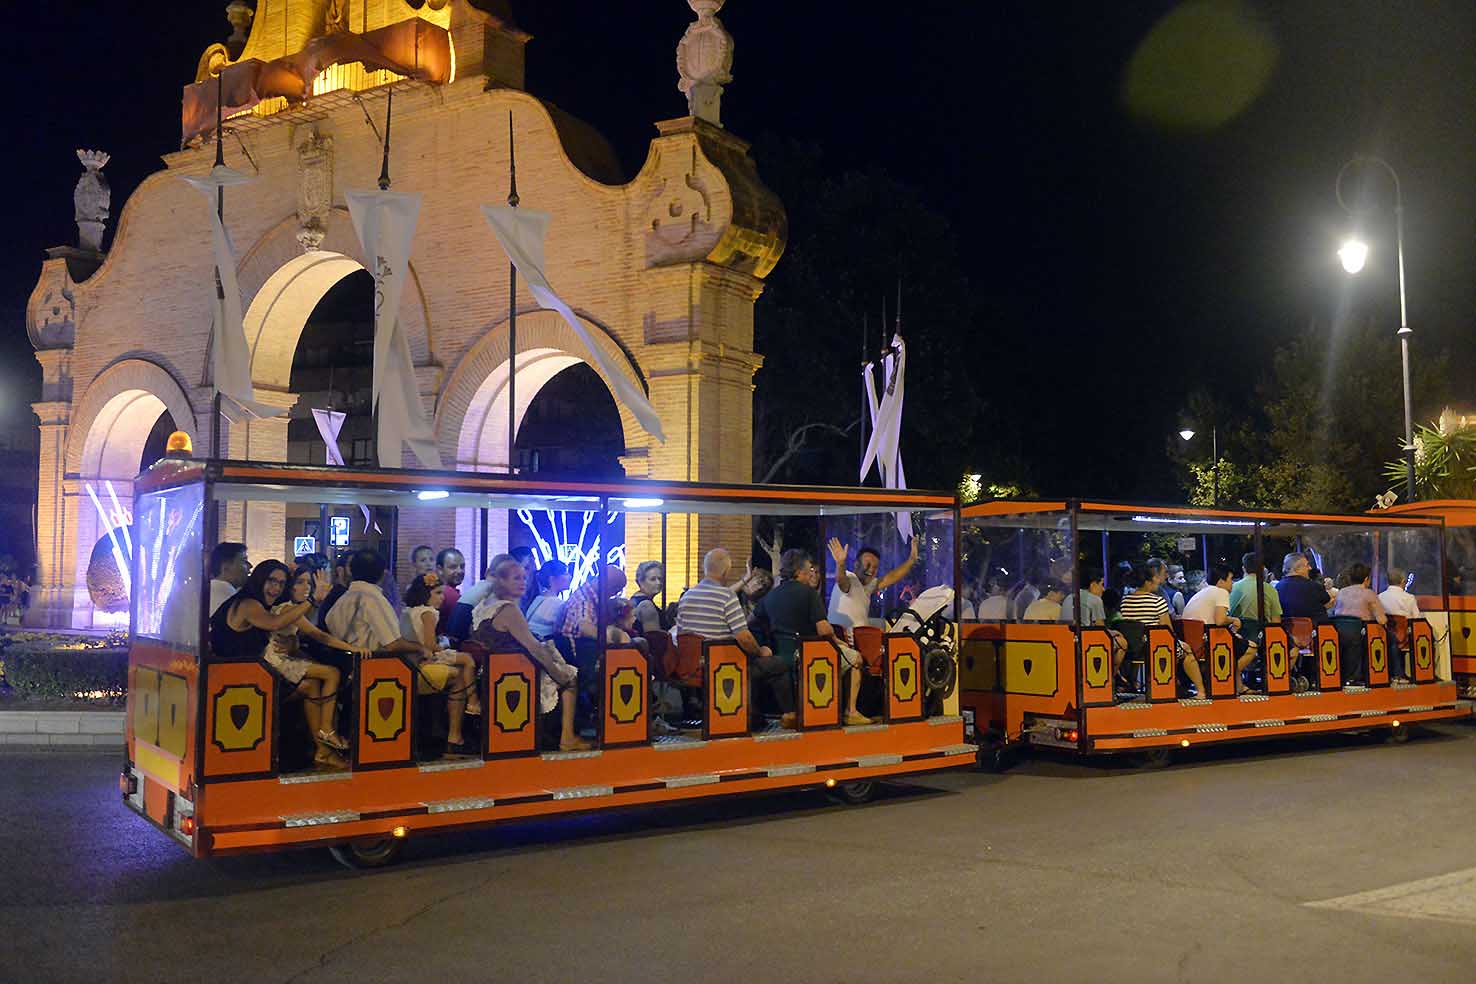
[(625, 717), (512, 709), (904, 677), (1378, 654), (819, 687), (1329, 658), (1221, 648), (155, 801), (727, 690), (386, 710), (1163, 665), (1278, 649), (240, 713), (1422, 645), (1096, 661)]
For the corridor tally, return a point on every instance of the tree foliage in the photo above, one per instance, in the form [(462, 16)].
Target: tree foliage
[(1445, 459)]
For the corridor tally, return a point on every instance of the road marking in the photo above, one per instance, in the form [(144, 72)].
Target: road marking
[(1448, 898)]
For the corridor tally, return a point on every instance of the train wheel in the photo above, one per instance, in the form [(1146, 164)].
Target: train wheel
[(368, 854), (1154, 758), (855, 793), (995, 757), (1397, 735)]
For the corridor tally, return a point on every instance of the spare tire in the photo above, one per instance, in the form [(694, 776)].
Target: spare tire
[(940, 672)]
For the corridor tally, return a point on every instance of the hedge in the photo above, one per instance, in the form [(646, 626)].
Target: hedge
[(41, 672)]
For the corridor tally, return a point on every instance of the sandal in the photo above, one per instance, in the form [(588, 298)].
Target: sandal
[(474, 711), (333, 740), (330, 758), (577, 745), (459, 748)]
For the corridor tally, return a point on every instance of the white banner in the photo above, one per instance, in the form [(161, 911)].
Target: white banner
[(385, 224), (230, 359), (521, 232), (886, 426), (330, 422)]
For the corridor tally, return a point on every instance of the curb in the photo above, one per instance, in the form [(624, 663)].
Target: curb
[(70, 729)]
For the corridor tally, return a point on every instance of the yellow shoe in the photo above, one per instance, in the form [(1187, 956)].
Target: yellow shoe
[(853, 718)]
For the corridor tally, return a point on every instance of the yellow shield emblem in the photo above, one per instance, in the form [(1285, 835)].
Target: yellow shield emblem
[(904, 676), (145, 700), (384, 710), (1422, 654), (1377, 655), (174, 698), (626, 703), (1220, 664), (1329, 657), (1097, 661), (239, 721), (512, 702), (727, 689), (1163, 666), (1276, 659), (820, 683)]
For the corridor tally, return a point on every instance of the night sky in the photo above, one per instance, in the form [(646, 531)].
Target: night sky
[(1124, 260)]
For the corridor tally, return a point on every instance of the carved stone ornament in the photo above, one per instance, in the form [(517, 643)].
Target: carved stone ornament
[(92, 199), (704, 61), (240, 16), (335, 19), (314, 188), (679, 215)]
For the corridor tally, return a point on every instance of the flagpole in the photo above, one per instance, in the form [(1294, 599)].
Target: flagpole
[(512, 304), (865, 388), (220, 214)]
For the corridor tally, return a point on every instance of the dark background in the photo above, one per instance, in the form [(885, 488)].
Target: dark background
[(1072, 269)]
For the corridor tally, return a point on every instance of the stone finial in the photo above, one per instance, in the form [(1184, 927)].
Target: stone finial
[(240, 15), (92, 199), (704, 61)]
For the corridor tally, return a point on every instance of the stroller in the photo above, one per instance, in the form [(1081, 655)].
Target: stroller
[(928, 620)]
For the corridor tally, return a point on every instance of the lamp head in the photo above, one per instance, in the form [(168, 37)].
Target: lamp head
[(1353, 254), (1186, 434)]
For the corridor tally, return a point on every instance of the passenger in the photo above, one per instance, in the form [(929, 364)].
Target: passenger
[(1301, 597), (850, 598), (1023, 595), (502, 628), (794, 610), (422, 560), (242, 627), (1211, 605), (996, 604), (1243, 602), (581, 612), (1359, 601), (1047, 608), (418, 620), (1147, 606), (340, 584), (710, 609), (364, 617), (1395, 599), (1173, 589), (756, 583), (1094, 612), (650, 577), (229, 569), (529, 560), (318, 681), (620, 625), (545, 613), (450, 571), (1194, 582)]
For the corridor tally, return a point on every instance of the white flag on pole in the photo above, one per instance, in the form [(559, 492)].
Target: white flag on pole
[(330, 422), (886, 426), (385, 223), (230, 359), (521, 232)]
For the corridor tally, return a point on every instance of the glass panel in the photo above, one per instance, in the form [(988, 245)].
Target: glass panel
[(874, 544), (1460, 562), (168, 566), (1011, 562), (1412, 553)]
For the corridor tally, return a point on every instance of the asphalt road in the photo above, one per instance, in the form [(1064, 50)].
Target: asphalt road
[(1243, 864)]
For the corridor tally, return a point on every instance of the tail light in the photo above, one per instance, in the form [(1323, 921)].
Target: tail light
[(127, 784), (1068, 734), (187, 825)]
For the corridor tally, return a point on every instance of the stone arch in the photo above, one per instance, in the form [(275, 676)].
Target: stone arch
[(115, 415), (281, 284)]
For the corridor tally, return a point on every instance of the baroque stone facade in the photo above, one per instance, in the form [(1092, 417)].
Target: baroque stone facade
[(663, 268)]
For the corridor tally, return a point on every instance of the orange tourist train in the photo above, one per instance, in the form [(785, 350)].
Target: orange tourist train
[(210, 756)]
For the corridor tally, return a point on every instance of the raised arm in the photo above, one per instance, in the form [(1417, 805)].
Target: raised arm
[(899, 572), (839, 551), (250, 611)]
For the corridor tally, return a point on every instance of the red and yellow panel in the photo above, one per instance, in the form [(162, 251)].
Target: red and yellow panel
[(727, 690), (1377, 637), (1326, 646), (904, 677), (1220, 646), (1278, 660), (1096, 667), (239, 716), (512, 705), (819, 689), (1163, 665), (625, 718), (1422, 651)]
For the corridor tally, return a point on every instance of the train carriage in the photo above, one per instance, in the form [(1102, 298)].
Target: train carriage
[(208, 757), (1057, 682)]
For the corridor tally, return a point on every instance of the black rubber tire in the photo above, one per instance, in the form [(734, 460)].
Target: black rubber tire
[(1397, 736), (855, 793), (995, 757), (368, 854), (1154, 758)]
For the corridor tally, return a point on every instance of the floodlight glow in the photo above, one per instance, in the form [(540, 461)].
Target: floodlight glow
[(1193, 522), (643, 503), (1186, 433), (1353, 254), (430, 495)]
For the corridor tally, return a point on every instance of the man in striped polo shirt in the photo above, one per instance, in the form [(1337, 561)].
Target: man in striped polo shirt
[(710, 609)]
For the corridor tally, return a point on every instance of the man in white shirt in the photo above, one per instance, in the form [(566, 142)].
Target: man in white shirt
[(1395, 599), (1211, 605), (229, 569), (1046, 608), (850, 599)]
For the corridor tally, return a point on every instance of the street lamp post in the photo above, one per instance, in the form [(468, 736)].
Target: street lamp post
[(1188, 434), (1353, 254)]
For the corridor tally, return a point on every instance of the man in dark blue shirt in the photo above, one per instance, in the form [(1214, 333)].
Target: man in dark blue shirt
[(1301, 597)]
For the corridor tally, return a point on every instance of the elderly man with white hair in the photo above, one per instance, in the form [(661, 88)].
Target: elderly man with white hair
[(711, 610)]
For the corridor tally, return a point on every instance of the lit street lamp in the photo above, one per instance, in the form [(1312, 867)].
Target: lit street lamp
[(1188, 435), (1353, 254)]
